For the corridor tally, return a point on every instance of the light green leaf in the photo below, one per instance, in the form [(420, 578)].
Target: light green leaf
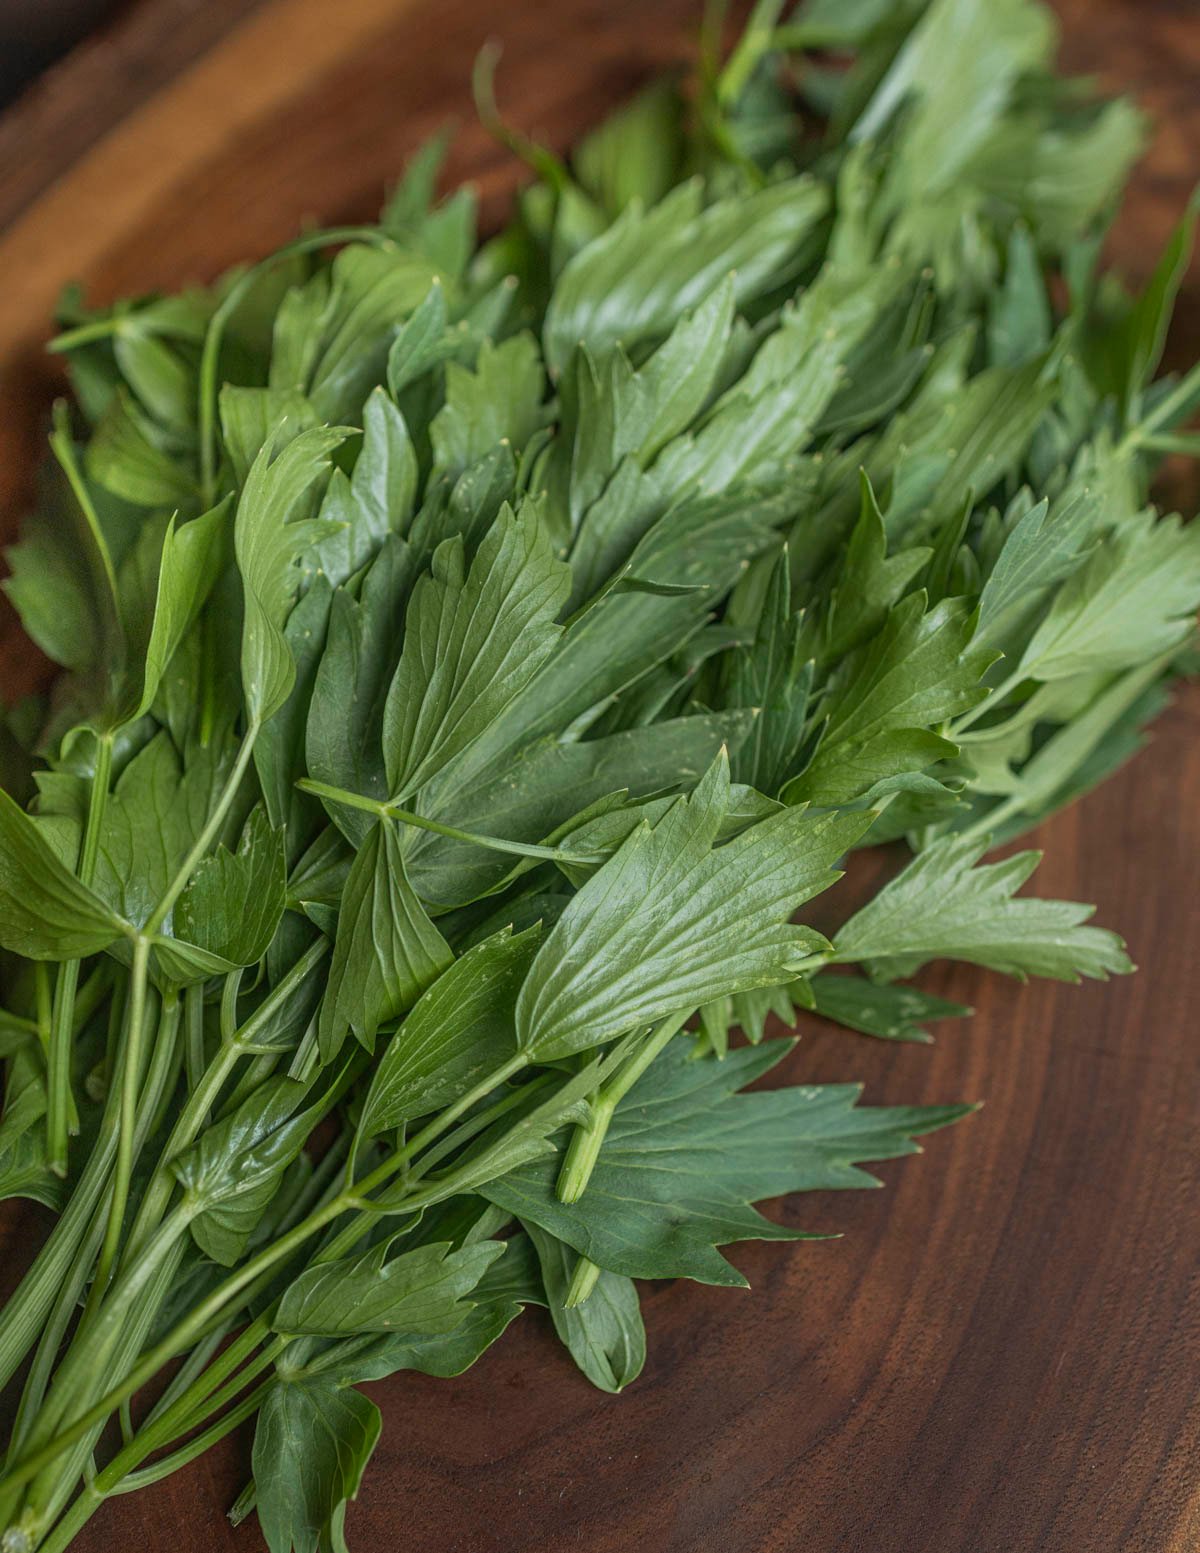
[(635, 280), (943, 907), (1134, 599), (884, 701), (499, 401), (269, 535), (232, 904), (670, 922), (387, 951), (460, 1029), (1042, 548), (472, 640), (422, 1290), (236, 1166), (253, 417)]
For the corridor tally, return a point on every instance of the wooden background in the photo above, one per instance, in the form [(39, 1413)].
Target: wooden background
[(1003, 1354)]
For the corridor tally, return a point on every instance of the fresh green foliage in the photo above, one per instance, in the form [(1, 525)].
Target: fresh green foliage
[(686, 1155), (943, 906), (473, 656)]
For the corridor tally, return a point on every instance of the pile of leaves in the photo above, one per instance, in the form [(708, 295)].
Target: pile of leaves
[(475, 654)]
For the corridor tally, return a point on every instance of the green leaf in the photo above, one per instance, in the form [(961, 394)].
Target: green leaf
[(637, 152), (890, 1012), (1019, 317), (339, 331), (45, 913), (499, 401), (312, 1443), (422, 1290), (509, 1284), (943, 907), (632, 282), (883, 702), (529, 797), (62, 581), (153, 816), (384, 484), (422, 343), (472, 640), (604, 1335), (870, 582), (1134, 599), (233, 902), (190, 560), (253, 417), (387, 951), (670, 922), (685, 1156), (234, 1169), (771, 675), (268, 539), (124, 457), (345, 712), (459, 1030), (1044, 546)]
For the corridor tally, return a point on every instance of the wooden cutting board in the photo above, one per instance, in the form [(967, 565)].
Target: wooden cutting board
[(1003, 1354)]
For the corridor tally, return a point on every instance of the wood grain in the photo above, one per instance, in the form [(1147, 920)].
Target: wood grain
[(1003, 1354)]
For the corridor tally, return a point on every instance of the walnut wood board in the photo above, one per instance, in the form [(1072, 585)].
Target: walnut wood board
[(1003, 1353)]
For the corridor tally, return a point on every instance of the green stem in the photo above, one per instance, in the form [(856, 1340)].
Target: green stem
[(113, 1336), (588, 1139), (178, 1339), (61, 1117), (206, 837), (87, 334), (990, 702), (158, 1084), (387, 809), (1175, 403), (203, 1094), (583, 1281), (193, 1024), (232, 1420), (197, 1322), (131, 1067), (25, 1313)]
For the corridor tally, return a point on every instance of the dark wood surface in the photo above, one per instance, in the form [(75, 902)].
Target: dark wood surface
[(1003, 1354)]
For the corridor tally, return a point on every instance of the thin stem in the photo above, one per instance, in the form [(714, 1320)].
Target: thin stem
[(198, 1321), (185, 1332), (158, 1084), (1167, 410), (61, 1117), (205, 839), (232, 1420), (193, 1024), (24, 1315), (87, 334), (476, 1124), (131, 1066), (387, 809), (584, 1149), (203, 1095), (990, 702)]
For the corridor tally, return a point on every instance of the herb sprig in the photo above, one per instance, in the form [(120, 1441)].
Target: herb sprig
[(474, 655)]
